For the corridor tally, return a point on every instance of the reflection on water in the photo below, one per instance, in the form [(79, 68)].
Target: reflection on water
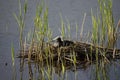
[(55, 71)]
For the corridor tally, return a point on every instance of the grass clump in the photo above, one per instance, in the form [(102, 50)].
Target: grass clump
[(41, 23), (104, 30), (20, 20), (103, 34)]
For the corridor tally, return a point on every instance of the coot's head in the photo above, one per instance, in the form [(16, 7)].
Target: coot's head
[(58, 41)]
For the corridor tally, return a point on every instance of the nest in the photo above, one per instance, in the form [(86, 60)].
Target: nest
[(81, 51)]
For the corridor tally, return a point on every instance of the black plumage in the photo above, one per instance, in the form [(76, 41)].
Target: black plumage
[(59, 42)]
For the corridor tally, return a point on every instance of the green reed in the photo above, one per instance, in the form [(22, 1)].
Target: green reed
[(42, 32), (41, 23), (13, 55), (104, 32), (20, 20), (62, 26), (95, 33), (13, 62), (68, 28), (82, 27)]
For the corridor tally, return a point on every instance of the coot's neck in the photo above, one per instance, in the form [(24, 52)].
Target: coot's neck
[(60, 42)]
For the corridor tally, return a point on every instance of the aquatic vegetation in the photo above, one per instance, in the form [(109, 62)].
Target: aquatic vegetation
[(82, 27), (13, 55), (50, 60), (103, 34), (104, 29), (13, 62), (20, 20)]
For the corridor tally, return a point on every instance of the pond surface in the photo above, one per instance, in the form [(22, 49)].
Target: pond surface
[(73, 10)]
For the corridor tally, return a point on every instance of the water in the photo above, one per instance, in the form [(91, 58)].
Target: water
[(69, 9)]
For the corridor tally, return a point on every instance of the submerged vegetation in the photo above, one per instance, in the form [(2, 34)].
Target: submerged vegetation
[(49, 60)]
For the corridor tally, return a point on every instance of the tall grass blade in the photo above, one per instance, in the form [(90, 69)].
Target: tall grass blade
[(81, 32), (94, 29), (62, 26), (68, 28), (25, 7), (76, 31), (13, 55), (13, 61)]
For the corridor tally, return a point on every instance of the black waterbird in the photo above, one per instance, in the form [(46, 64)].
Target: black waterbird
[(59, 42)]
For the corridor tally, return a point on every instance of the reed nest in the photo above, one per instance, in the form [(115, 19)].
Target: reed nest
[(82, 51)]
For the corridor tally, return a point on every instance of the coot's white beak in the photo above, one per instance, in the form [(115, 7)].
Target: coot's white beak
[(55, 38)]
